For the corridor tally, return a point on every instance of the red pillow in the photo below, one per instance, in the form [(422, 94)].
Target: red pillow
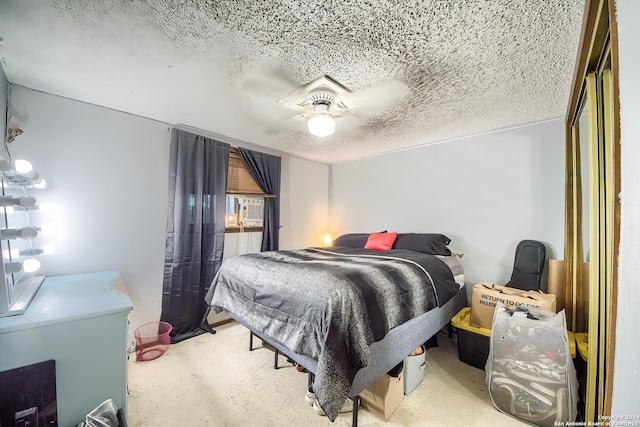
[(380, 241)]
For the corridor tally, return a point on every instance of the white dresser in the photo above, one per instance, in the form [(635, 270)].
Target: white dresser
[(81, 322)]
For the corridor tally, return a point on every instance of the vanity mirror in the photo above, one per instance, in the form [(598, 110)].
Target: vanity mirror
[(20, 225)]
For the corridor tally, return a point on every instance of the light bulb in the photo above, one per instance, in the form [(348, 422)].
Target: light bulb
[(48, 249), (321, 125), (19, 233), (41, 184), (30, 265), (23, 166), (327, 238), (23, 201)]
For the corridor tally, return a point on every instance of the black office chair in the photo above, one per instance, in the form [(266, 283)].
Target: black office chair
[(528, 266)]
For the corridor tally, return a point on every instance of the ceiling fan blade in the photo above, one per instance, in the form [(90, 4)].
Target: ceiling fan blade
[(273, 119), (294, 124), (380, 95), (272, 82)]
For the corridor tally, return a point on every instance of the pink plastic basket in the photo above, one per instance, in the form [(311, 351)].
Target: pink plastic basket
[(152, 340)]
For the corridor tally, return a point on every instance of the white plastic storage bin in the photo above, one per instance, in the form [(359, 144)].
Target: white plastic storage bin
[(414, 366)]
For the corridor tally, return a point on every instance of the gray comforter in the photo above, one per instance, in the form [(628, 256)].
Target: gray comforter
[(330, 304)]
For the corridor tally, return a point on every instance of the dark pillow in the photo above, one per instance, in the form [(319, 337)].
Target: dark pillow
[(380, 241), (429, 243), (353, 240)]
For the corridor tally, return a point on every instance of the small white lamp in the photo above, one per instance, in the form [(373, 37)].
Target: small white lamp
[(327, 239)]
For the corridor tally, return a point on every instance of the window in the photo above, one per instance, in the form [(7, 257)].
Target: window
[(193, 209), (245, 198)]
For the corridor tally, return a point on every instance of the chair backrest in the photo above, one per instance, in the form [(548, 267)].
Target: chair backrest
[(528, 265)]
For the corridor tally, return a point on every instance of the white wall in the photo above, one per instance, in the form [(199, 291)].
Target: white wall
[(626, 379), (108, 174), (485, 192), (305, 212)]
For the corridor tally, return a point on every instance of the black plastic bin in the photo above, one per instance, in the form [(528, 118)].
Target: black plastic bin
[(473, 342)]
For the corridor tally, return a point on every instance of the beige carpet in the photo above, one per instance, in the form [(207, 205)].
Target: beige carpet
[(214, 380)]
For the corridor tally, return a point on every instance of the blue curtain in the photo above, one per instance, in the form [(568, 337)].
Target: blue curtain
[(195, 229), (265, 169)]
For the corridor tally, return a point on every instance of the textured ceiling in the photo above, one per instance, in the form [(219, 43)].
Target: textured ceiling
[(424, 70)]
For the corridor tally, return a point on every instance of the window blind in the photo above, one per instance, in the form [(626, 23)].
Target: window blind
[(239, 179)]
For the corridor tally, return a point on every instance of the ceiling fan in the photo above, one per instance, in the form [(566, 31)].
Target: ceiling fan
[(321, 101), (326, 98)]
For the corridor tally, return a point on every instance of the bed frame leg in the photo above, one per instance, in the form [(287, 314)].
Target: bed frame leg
[(204, 323), (310, 378), (354, 414), (275, 351)]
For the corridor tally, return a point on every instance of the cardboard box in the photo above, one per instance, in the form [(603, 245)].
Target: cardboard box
[(383, 396), (486, 295), (555, 282)]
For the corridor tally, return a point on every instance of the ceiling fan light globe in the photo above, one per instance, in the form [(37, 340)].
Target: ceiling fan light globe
[(321, 125)]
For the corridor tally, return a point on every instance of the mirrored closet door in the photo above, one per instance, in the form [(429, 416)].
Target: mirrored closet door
[(592, 214)]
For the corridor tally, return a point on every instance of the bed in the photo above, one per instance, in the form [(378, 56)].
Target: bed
[(347, 313)]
